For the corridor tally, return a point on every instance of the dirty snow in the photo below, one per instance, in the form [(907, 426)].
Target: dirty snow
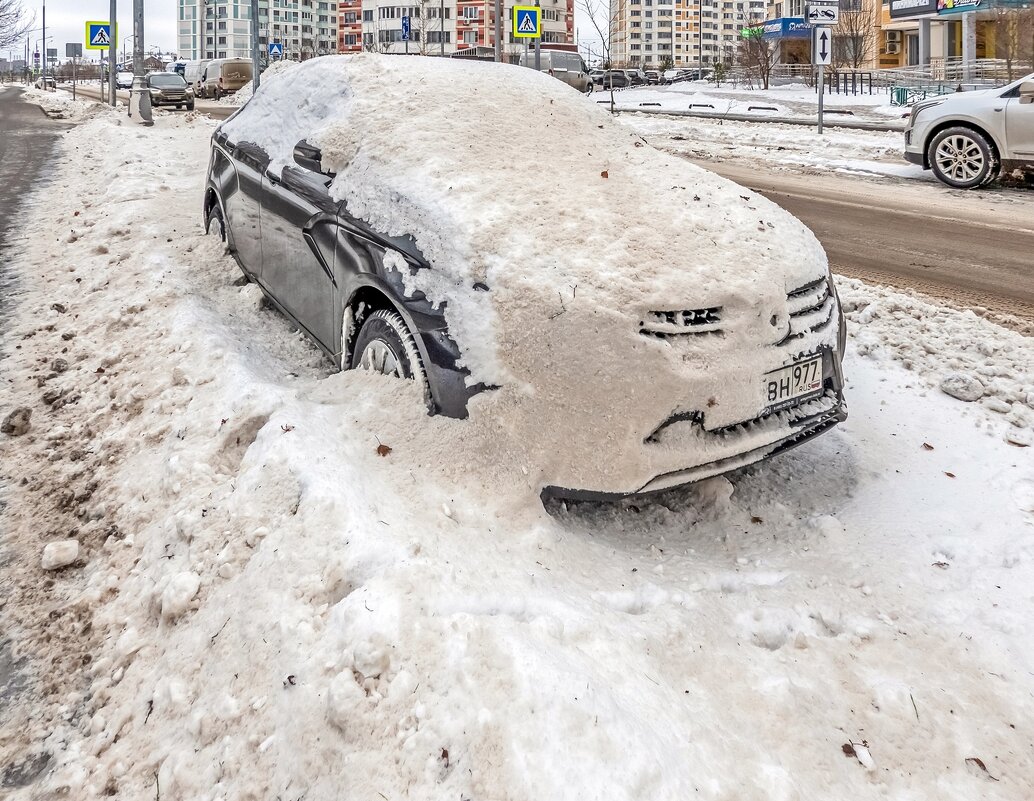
[(60, 105), (243, 95), (849, 620)]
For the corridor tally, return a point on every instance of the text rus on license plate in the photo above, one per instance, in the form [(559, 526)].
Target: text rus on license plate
[(800, 378)]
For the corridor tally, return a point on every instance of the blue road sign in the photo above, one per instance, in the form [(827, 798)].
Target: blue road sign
[(276, 49), (527, 22), (405, 29)]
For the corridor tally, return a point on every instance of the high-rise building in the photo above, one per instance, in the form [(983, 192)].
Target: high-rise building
[(448, 26), (222, 28), (682, 33)]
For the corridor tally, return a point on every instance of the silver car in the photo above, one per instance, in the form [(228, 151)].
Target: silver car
[(968, 138)]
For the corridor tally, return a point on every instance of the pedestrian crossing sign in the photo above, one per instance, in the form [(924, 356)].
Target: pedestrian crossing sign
[(276, 49), (527, 22), (98, 35)]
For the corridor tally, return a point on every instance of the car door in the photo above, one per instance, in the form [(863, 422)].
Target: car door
[(1019, 130), (242, 206), (299, 228)]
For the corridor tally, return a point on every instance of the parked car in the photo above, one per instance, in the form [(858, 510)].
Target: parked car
[(967, 138), (636, 77), (169, 89), (351, 222), (192, 71), (653, 77), (597, 76), (224, 76), (45, 83), (563, 65), (615, 79), (123, 80)]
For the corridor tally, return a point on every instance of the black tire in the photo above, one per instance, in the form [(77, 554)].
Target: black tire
[(384, 334), (190, 106), (215, 218), (962, 158)]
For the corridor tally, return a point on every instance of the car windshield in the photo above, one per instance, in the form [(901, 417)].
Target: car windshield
[(167, 80)]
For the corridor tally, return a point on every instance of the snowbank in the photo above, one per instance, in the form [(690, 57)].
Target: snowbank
[(60, 105), (243, 95), (270, 607)]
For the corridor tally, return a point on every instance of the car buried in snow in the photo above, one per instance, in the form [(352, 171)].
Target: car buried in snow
[(665, 327)]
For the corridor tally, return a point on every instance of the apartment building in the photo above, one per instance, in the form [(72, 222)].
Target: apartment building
[(447, 27), (683, 33), (222, 28)]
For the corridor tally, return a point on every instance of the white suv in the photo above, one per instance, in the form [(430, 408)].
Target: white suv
[(967, 138)]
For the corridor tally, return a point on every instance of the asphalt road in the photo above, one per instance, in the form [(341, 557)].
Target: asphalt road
[(973, 249), (27, 141)]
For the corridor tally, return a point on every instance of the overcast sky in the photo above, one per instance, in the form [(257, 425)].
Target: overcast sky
[(66, 22)]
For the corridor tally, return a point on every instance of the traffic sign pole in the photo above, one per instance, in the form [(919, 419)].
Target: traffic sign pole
[(822, 87), (538, 40), (112, 55)]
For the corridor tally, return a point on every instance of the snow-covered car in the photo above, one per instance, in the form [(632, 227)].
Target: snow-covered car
[(123, 80), (626, 320), (967, 138), (45, 83)]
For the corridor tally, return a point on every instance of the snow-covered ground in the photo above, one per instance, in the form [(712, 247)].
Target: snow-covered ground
[(60, 105), (793, 100), (874, 154), (292, 583)]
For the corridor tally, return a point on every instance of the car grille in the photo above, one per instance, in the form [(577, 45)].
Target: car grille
[(685, 322), (797, 413), (811, 309)]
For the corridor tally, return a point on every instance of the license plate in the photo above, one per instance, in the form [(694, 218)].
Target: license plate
[(793, 381)]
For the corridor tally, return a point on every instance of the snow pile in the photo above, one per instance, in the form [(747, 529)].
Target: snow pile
[(273, 605), (867, 152), (243, 95), (60, 105), (568, 289), (938, 344)]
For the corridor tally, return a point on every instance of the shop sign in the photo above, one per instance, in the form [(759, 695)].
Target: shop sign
[(912, 8)]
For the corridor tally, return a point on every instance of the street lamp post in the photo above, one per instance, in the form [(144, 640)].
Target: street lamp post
[(124, 55)]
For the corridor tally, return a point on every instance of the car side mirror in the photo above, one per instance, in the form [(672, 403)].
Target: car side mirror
[(309, 158), (1027, 92)]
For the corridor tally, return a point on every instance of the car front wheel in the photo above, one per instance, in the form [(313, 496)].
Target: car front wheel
[(385, 345), (962, 158)]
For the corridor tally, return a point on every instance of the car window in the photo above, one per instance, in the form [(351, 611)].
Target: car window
[(166, 80)]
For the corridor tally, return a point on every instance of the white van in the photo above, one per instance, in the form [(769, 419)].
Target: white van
[(192, 73), (562, 64), (224, 76)]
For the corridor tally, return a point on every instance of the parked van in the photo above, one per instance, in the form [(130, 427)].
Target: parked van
[(562, 64), (192, 74), (224, 76)]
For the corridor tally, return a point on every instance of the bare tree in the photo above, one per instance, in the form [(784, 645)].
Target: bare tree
[(604, 16), (856, 38), (1014, 37), (13, 22), (757, 54)]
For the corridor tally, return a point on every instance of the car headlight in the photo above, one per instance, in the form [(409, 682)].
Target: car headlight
[(920, 107)]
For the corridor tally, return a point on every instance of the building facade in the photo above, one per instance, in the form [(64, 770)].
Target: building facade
[(679, 33), (222, 28), (443, 28)]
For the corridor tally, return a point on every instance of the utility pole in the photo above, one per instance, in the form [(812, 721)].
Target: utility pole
[(112, 49), (498, 30), (441, 25), (44, 45), (255, 67), (140, 97)]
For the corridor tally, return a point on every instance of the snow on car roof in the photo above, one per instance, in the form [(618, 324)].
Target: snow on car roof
[(455, 153)]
